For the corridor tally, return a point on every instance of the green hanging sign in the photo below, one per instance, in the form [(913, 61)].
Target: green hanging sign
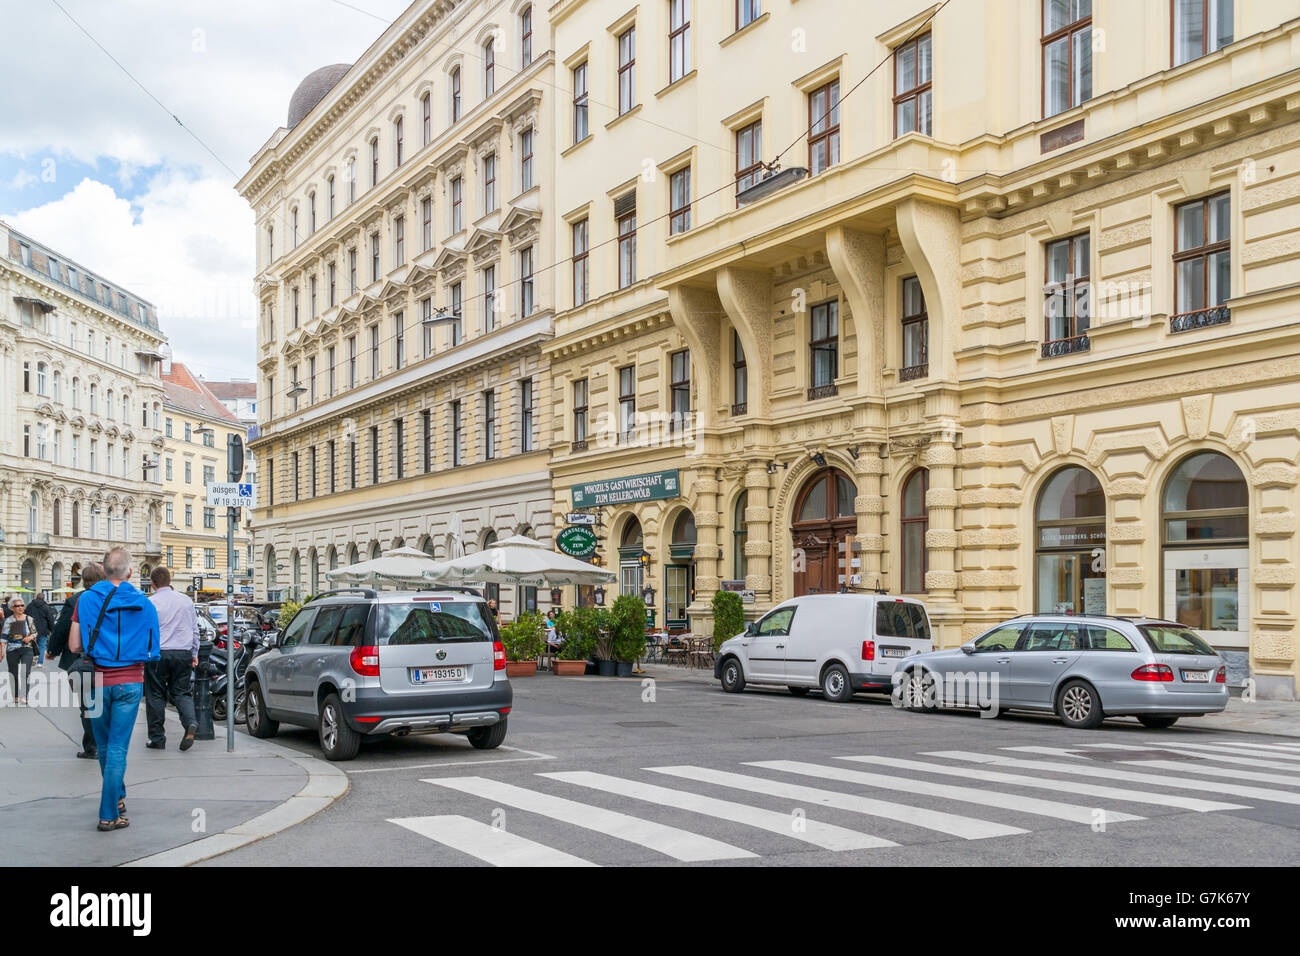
[(577, 541)]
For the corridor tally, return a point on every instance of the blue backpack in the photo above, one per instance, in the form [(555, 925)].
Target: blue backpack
[(119, 624)]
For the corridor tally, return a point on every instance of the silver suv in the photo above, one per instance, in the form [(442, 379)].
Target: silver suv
[(355, 663)]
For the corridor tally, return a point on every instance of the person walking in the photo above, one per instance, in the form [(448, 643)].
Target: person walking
[(43, 617), (169, 676), (19, 636), (91, 574), (121, 636)]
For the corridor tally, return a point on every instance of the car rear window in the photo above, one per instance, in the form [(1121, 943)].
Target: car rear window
[(901, 619), (1168, 639), (432, 622)]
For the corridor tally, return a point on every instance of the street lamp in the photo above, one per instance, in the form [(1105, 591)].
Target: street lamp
[(295, 390), (442, 318), (598, 596), (648, 595), (774, 179)]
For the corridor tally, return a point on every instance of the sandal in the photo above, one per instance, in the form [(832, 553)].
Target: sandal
[(121, 809), (118, 824)]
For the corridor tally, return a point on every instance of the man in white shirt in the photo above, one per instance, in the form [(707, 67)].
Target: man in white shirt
[(178, 625)]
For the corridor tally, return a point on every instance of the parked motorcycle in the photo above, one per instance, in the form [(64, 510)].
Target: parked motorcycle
[(247, 644)]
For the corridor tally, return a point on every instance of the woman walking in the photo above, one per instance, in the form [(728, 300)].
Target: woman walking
[(19, 636)]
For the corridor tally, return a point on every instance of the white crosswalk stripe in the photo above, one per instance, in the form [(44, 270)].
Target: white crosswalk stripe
[(1231, 773), (824, 835), (1252, 745), (1280, 760), (968, 828), (488, 843), (1009, 801), (1206, 755), (1061, 786), (1108, 773), (670, 841)]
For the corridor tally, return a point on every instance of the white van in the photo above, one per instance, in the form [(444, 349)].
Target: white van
[(841, 643)]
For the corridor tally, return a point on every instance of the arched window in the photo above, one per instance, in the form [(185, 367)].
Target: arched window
[(332, 557), (58, 391), (108, 404), (374, 550), (354, 556), (1070, 544), (313, 572), (295, 565), (630, 568), (915, 521), (270, 568), (489, 68), (491, 591), (58, 518), (76, 392), (739, 535), (679, 572)]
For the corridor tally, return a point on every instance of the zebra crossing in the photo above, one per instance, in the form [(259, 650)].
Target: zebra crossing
[(853, 802)]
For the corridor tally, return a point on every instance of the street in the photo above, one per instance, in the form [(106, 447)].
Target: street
[(611, 771)]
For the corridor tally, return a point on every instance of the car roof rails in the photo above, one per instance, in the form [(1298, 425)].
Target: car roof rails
[(365, 592)]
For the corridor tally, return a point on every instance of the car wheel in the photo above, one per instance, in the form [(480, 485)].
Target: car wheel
[(488, 738), (799, 691), (836, 685), (920, 692), (1078, 706), (259, 725), (241, 707), (338, 741), (1157, 723), (733, 676)]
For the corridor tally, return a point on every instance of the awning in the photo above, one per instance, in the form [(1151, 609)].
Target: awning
[(39, 303)]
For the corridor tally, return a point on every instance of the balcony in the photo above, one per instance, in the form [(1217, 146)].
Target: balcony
[(823, 391), (152, 547), (577, 446), (1202, 319), (740, 408), (1059, 347), (911, 373), (38, 539)]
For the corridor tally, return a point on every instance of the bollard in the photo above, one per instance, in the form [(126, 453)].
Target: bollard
[(203, 693)]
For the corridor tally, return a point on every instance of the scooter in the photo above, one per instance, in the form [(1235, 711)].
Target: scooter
[(247, 644)]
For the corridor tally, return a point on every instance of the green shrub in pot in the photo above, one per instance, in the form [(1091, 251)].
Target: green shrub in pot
[(525, 637), (627, 628)]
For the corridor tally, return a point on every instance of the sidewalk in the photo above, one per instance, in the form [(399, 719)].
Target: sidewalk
[(1280, 717), (183, 807)]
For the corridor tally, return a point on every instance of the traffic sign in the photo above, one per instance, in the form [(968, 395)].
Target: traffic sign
[(580, 517), (231, 494)]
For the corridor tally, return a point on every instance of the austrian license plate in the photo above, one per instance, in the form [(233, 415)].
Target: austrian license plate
[(893, 652), (1196, 677), (437, 675)]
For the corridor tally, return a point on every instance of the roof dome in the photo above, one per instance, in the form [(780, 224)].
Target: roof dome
[(312, 90)]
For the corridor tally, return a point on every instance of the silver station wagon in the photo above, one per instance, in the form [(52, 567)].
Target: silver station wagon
[(1083, 668), (355, 663)]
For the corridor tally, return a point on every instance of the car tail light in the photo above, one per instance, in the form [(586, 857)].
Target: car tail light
[(1153, 672), (1221, 677), (365, 660), (868, 650), (498, 656)]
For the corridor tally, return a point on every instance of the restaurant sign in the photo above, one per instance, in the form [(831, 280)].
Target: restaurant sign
[(576, 541), (655, 486)]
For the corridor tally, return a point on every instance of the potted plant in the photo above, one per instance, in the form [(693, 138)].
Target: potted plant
[(579, 628), (627, 632), (728, 617), (523, 640)]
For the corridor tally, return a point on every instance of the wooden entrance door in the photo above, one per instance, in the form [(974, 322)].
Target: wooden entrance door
[(824, 521)]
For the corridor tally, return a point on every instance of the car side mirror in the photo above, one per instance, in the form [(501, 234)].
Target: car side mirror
[(751, 628), (968, 647)]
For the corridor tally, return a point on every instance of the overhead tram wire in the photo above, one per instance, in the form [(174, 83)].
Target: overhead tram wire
[(385, 340)]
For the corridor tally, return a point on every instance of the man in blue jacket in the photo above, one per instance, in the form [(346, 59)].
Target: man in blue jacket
[(118, 626)]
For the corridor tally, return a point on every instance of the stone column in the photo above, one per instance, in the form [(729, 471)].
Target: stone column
[(704, 502), (760, 534), (868, 474), (941, 502)]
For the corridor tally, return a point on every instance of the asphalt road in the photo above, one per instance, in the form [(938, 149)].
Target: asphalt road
[(615, 771)]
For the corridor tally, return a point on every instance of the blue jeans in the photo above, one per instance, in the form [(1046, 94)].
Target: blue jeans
[(113, 726), (40, 649)]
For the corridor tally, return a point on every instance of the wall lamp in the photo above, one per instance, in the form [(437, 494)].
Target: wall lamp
[(819, 459)]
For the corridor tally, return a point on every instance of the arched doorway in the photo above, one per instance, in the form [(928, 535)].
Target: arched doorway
[(491, 590), (56, 576), (1205, 535), (824, 522), (679, 572), (631, 569), (272, 592), (1070, 544), (29, 574)]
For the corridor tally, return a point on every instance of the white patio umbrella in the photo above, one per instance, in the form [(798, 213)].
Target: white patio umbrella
[(401, 566), (521, 561)]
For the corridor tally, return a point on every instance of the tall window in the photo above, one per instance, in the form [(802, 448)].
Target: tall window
[(311, 379), (374, 454), (1201, 261), (489, 298), (399, 448), (332, 273), (739, 376), (626, 70), (374, 162), (489, 424), (426, 429), (627, 403), (580, 262), (526, 281), (399, 142), (915, 521), (352, 463), (679, 399), (295, 307), (916, 332), (580, 102), (374, 256), (456, 193), (625, 212), (747, 11), (489, 68), (526, 160), (749, 156), (329, 209), (399, 340), (456, 310), (426, 224), (1200, 27), (399, 240), (351, 176), (1067, 54), (679, 39), (679, 189), (374, 352), (912, 86), (526, 37), (824, 127), (455, 433), (489, 182), (311, 284), (1066, 296), (330, 355), (580, 414), (311, 212), (455, 95), (825, 348), (352, 362), (739, 535), (426, 313), (352, 272), (293, 227), (526, 415), (426, 119)]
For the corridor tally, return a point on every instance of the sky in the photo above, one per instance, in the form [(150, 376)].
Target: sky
[(95, 169)]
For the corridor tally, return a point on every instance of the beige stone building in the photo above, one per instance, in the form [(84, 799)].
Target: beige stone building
[(406, 186), (80, 418), (1015, 329)]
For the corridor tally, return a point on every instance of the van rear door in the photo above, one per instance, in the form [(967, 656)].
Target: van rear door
[(902, 628), (427, 646)]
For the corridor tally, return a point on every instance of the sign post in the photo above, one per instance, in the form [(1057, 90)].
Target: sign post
[(231, 495)]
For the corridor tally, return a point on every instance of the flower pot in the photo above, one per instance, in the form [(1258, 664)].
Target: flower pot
[(607, 668), (521, 668), (624, 668), (570, 668)]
